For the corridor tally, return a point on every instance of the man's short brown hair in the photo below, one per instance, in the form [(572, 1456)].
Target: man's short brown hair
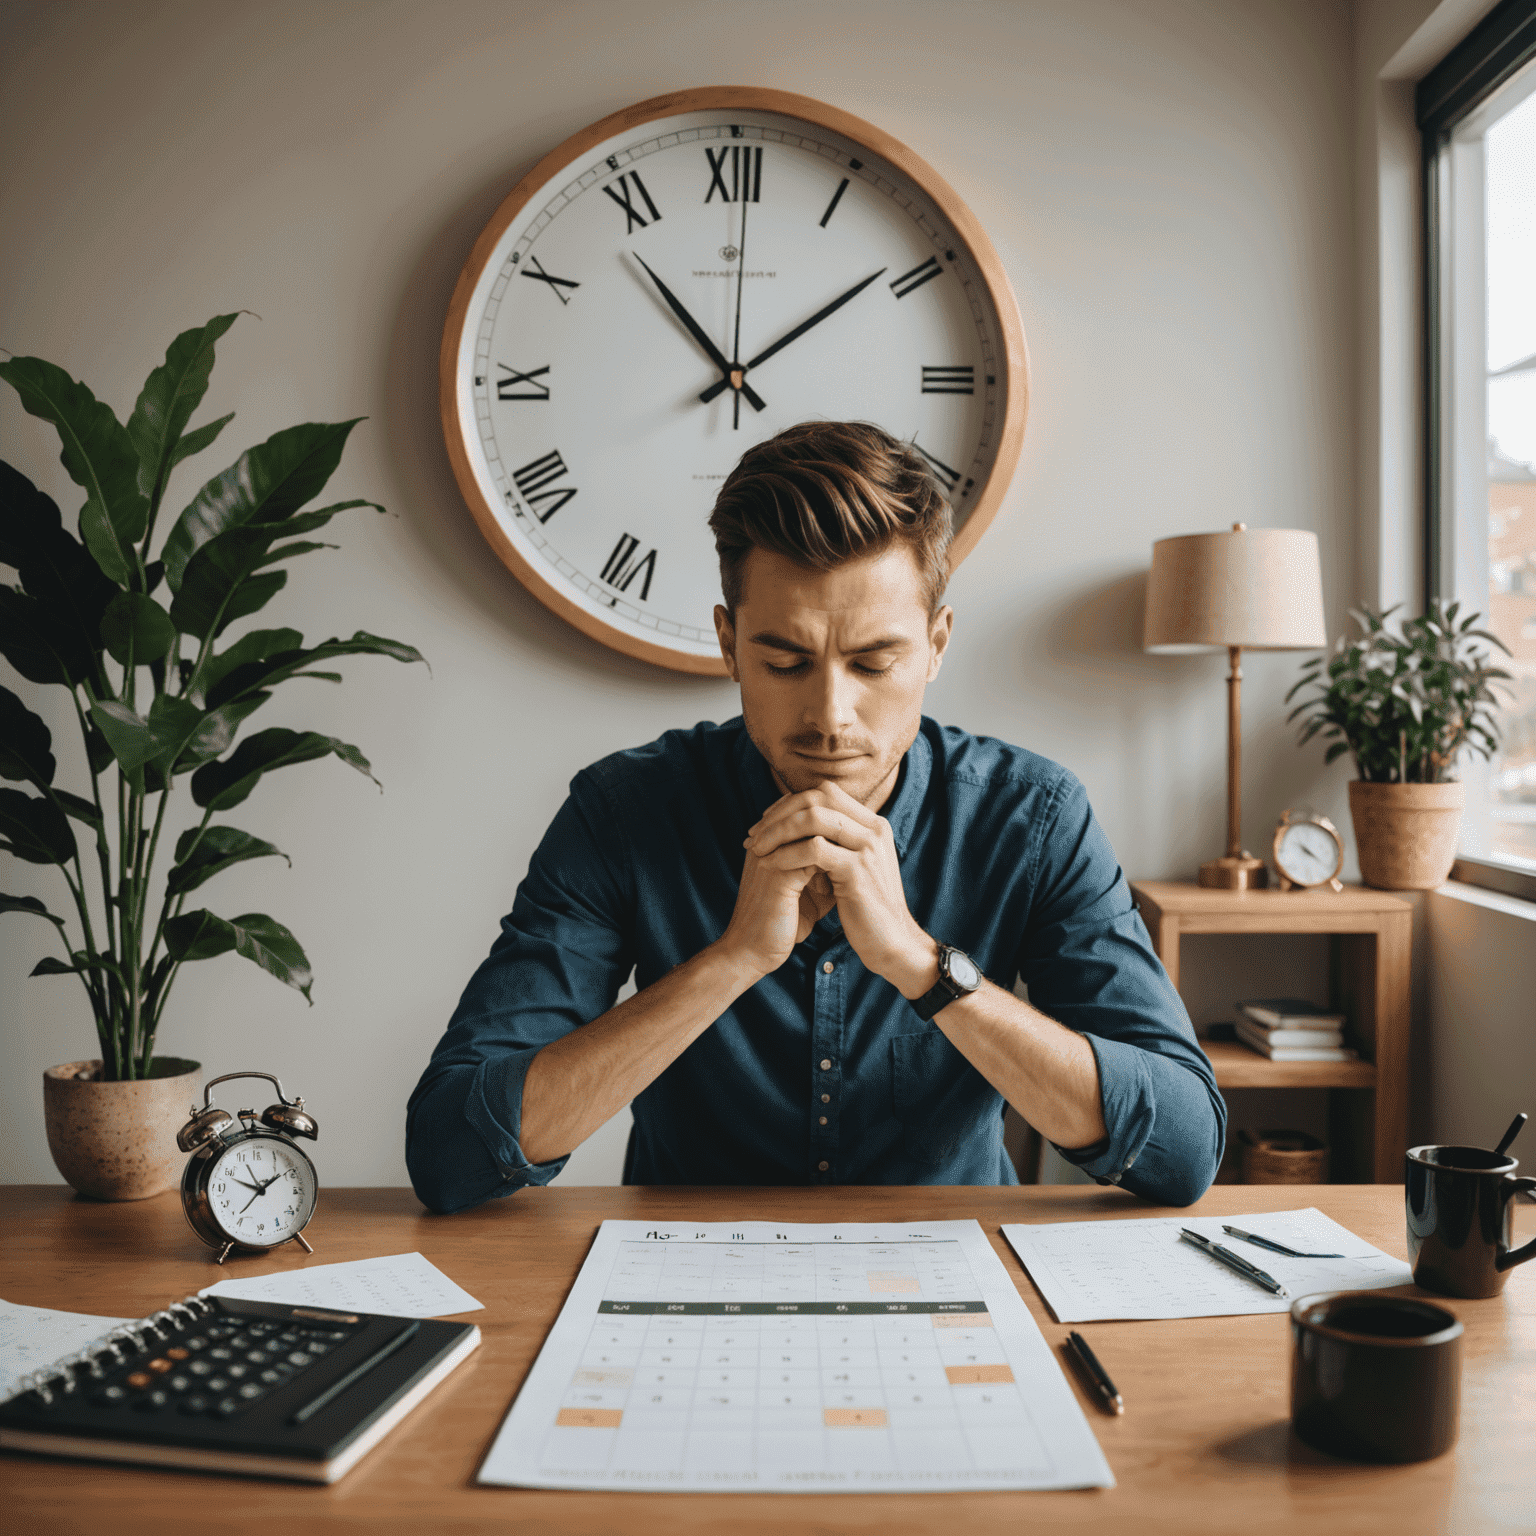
[(827, 492)]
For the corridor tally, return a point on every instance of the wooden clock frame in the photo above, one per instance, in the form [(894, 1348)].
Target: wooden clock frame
[(1015, 364)]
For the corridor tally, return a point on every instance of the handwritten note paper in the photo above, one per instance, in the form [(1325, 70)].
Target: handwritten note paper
[(32, 1338), (399, 1285), (1095, 1271)]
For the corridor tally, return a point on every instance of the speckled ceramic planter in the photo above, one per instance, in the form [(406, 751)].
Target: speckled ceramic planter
[(1406, 833), (117, 1141)]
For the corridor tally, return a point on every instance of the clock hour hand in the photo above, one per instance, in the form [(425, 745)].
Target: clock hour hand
[(794, 335), (715, 355)]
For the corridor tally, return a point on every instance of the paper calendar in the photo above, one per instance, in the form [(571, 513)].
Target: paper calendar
[(795, 1358)]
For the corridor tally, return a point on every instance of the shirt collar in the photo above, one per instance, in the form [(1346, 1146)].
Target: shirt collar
[(900, 810)]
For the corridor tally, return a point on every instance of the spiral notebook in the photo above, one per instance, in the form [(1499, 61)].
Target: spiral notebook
[(220, 1384)]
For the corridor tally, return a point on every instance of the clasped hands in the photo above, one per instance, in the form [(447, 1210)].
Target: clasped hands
[(812, 850)]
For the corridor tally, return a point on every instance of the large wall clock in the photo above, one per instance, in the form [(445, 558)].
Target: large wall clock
[(681, 280)]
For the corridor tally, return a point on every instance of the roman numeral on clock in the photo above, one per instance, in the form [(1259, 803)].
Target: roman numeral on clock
[(951, 379), (536, 482), (950, 477), (908, 282), (507, 388), (555, 283), (634, 219), (837, 197), (746, 173), (623, 567)]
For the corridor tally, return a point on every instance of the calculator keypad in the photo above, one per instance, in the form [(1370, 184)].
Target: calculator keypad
[(216, 1368)]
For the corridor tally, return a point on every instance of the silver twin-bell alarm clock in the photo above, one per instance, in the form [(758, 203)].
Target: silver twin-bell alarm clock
[(248, 1185)]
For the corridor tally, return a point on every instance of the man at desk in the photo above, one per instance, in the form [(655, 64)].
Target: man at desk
[(825, 902)]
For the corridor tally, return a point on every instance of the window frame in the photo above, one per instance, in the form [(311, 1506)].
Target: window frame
[(1450, 95)]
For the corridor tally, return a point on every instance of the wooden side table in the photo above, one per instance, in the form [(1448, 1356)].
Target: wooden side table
[(1371, 936)]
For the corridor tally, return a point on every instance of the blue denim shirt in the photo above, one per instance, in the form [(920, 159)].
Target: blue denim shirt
[(1000, 855)]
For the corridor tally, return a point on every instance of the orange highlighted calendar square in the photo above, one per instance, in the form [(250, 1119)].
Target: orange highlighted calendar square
[(854, 1418), (589, 1418), (887, 1282), (976, 1375), (962, 1320)]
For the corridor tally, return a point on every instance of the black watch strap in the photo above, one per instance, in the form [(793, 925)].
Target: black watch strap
[(948, 987)]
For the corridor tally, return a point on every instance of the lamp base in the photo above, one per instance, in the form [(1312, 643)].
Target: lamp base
[(1245, 873)]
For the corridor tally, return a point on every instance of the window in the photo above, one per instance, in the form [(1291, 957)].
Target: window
[(1477, 114)]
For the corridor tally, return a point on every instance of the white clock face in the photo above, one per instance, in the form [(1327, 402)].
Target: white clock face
[(261, 1191), (641, 320), (1307, 854)]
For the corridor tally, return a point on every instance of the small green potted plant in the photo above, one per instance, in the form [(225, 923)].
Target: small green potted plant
[(1406, 702), (137, 641)]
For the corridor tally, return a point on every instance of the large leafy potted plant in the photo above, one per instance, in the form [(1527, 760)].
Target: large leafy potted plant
[(134, 638), (1406, 702)]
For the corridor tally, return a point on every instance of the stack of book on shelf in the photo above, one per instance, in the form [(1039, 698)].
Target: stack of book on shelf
[(1292, 1029)]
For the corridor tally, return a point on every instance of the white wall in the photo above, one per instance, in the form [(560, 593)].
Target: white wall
[(1169, 183)]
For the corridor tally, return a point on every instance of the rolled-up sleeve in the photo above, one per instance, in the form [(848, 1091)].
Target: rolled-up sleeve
[(561, 958), (1088, 963)]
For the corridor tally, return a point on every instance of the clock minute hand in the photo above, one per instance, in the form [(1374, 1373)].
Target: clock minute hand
[(715, 355), (794, 335)]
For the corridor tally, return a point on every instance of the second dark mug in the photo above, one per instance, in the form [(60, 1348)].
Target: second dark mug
[(1459, 1220), (1373, 1377)]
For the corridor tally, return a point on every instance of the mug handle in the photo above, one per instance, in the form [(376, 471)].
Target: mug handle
[(1509, 1257)]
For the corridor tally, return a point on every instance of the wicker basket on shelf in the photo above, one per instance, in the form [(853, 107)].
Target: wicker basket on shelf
[(1282, 1157)]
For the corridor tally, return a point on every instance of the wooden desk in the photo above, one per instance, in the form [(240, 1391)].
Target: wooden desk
[(1204, 1446), (1370, 936)]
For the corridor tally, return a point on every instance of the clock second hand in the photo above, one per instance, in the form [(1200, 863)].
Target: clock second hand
[(729, 381), (694, 329)]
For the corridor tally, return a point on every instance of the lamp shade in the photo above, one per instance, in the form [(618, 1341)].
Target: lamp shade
[(1258, 588)]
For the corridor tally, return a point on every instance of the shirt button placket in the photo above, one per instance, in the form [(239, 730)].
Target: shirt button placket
[(826, 1062)]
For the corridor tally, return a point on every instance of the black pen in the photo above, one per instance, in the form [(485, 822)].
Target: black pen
[(1235, 1261), (1274, 1247), (1109, 1394)]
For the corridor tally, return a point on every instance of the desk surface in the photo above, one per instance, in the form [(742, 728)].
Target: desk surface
[(1204, 1445)]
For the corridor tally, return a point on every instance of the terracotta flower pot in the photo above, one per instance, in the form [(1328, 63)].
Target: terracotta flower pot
[(117, 1141), (1406, 833)]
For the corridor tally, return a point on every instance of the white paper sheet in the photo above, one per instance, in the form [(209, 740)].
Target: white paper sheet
[(1095, 1271), (398, 1285), (783, 1357), (32, 1338)]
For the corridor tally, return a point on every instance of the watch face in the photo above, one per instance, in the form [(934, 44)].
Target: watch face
[(1307, 854), (962, 971), (261, 1191), (671, 293)]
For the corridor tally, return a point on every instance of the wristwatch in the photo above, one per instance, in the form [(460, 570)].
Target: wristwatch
[(957, 977)]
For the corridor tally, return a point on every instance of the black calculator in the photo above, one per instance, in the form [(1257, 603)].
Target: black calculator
[(221, 1384)]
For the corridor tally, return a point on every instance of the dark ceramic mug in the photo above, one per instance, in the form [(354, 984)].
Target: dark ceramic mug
[(1373, 1377), (1459, 1220)]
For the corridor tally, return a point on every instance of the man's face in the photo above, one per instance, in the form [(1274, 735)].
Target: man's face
[(832, 667)]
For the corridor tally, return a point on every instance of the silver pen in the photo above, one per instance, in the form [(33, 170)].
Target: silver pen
[(1274, 1247), (1235, 1261)]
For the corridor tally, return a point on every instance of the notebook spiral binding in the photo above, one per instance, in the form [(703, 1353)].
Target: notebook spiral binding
[(65, 1374)]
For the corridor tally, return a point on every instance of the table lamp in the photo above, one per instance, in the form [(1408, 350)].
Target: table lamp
[(1253, 589)]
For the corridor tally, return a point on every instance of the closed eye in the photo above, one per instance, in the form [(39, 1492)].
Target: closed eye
[(800, 666)]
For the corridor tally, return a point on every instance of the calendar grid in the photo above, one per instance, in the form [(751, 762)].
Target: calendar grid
[(791, 1360)]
